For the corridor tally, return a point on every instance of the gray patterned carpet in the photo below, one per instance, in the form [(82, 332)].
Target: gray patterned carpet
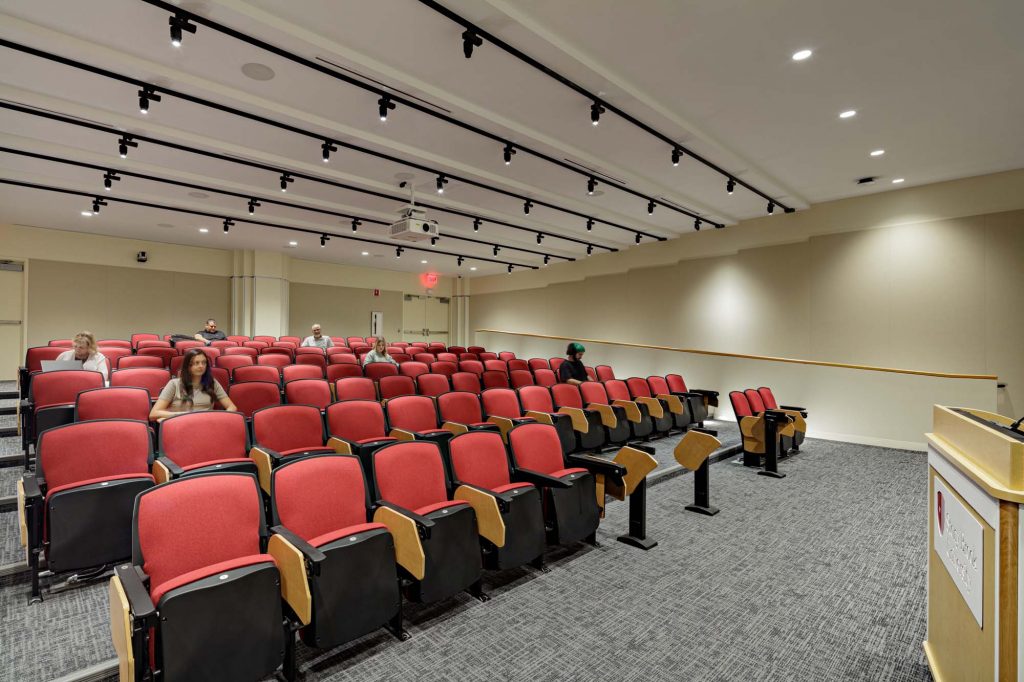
[(818, 576)]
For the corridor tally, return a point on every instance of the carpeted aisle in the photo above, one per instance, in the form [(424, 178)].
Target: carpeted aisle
[(818, 576)]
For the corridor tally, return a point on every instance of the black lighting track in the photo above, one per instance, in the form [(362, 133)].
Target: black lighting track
[(548, 71), (278, 170), (251, 221), (49, 56), (260, 199), (412, 104)]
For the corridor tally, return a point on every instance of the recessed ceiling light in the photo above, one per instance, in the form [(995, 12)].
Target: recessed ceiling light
[(473, 268), (258, 72), (897, 181), (198, 195), (203, 230), (848, 114), (366, 253), (87, 213), (878, 152), (293, 243), (801, 55), (423, 261)]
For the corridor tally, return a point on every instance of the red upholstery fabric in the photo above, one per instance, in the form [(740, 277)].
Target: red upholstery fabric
[(136, 338), (461, 407), (768, 398), (224, 344), (288, 427), (90, 481), (479, 458), (617, 390), (739, 405), (242, 375), (62, 387), (638, 388), (309, 360), (593, 392), (423, 511), (201, 437), (474, 366), (355, 339), (310, 350), (425, 358), (536, 447), (414, 369), (90, 450), (448, 357), (555, 363), (114, 343), (544, 377), (341, 356), (231, 362), (265, 339), (238, 338), (536, 398), (414, 413), (183, 346), (519, 378), (356, 420), (476, 349), (35, 356), (250, 396), (466, 381), (676, 383), (516, 365), (153, 343), (221, 376), (658, 385), (444, 367), (501, 402), (113, 403), (320, 495), (467, 356), (292, 339), (114, 354), (274, 360), (217, 462), (206, 572), (376, 370), (410, 474), (321, 540), (485, 356), (495, 366), (400, 357), (494, 379), (165, 354), (138, 361), (506, 355), (258, 345), (565, 472), (392, 387), (538, 363), (590, 373), (511, 486), (754, 400), (455, 350), (342, 371), (432, 384), (566, 395), (316, 392), (355, 388)]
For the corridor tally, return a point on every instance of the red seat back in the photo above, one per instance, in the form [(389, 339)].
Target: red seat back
[(392, 387), (250, 396), (316, 392), (593, 392), (293, 372), (355, 388), (376, 370), (536, 398), (566, 395), (754, 400), (466, 381), (136, 338), (455, 350), (165, 354), (638, 387), (768, 398), (501, 402), (474, 366), (519, 378), (544, 377), (265, 339), (135, 361), (485, 356), (740, 406), (150, 378), (465, 357), (317, 495), (604, 373), (292, 339), (555, 363), (274, 360), (243, 375), (460, 407), (538, 363), (311, 360), (495, 366), (258, 345), (114, 343), (356, 420), (35, 356), (288, 427), (448, 357), (182, 346), (92, 450), (114, 353), (476, 349), (446, 368), (197, 437), (61, 343), (425, 358), (414, 369), (220, 375), (676, 383), (494, 379), (432, 384), (410, 474), (223, 344), (412, 413), (479, 458), (153, 343), (342, 358), (506, 355), (536, 447), (238, 338), (123, 402), (232, 362), (336, 372), (515, 365), (658, 385)]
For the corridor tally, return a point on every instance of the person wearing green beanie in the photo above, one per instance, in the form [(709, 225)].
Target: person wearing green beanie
[(572, 370)]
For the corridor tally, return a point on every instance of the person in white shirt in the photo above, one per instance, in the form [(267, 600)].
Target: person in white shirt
[(379, 354), (86, 352), (317, 340)]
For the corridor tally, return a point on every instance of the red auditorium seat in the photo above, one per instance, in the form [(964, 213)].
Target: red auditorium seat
[(538, 363), (358, 340), (136, 338), (315, 392), (258, 345), (312, 360), (442, 367), (700, 399), (641, 423), (464, 357), (518, 378), (165, 354), (153, 343), (614, 419), (115, 343), (336, 372), (466, 381), (590, 433), (293, 372), (274, 360), (414, 369), (555, 363), (640, 392), (220, 375), (122, 402), (400, 357), (485, 356), (495, 366), (152, 379), (265, 339), (201, 443), (241, 375), (461, 411), (514, 532), (538, 404), (283, 433), (200, 562), (501, 407), (136, 361), (249, 396), (376, 370), (78, 504), (506, 355), (355, 388), (241, 350), (114, 353), (340, 350), (494, 379), (238, 339), (443, 557), (448, 357), (678, 408), (476, 349), (474, 366), (604, 373), (425, 358), (233, 362), (51, 401), (346, 566), (291, 339), (224, 344), (544, 377), (182, 346), (799, 414), (432, 384), (754, 430), (455, 350), (278, 351), (392, 387), (415, 416), (357, 427)]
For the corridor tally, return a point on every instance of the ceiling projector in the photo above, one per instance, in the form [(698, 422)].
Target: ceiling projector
[(412, 225)]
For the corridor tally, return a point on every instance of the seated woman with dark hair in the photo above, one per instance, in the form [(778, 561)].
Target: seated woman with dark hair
[(194, 389)]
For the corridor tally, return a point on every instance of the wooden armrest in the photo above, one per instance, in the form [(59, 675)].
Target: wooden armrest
[(578, 417), (402, 434), (160, 472), (653, 406), (694, 448), (294, 584), (488, 517), (752, 429), (631, 408), (121, 629), (22, 519), (540, 417), (342, 447), (408, 547), (607, 414), (675, 405), (504, 425), (638, 464), (455, 427), (263, 467)]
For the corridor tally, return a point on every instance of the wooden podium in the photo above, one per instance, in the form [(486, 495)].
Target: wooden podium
[(975, 600)]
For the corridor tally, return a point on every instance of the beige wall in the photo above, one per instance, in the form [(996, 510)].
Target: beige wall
[(342, 311), (113, 302)]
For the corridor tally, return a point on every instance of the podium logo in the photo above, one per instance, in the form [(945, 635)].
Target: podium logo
[(940, 508)]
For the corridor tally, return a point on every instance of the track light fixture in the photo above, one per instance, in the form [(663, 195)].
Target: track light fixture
[(178, 24), (285, 179), (469, 41), (590, 249), (590, 224), (433, 241), (677, 154), (328, 147), (323, 240), (398, 252), (696, 224), (547, 259), (637, 238), (591, 185), (540, 237), (96, 203), (228, 222), (730, 186), (650, 207), (356, 222), (384, 105), (476, 224), (253, 203), (458, 261), (123, 144), (109, 178), (527, 206), (771, 207), (510, 151), (510, 268), (496, 249), (441, 182), (595, 113), (146, 95)]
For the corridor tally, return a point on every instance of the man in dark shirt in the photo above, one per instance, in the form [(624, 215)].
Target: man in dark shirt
[(572, 370), (211, 333)]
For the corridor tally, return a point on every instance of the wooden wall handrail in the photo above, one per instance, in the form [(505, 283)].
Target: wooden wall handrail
[(768, 358)]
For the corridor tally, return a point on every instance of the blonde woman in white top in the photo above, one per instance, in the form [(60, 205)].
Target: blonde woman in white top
[(86, 352), (379, 354)]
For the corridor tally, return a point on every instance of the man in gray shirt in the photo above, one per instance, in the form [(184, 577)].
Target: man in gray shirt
[(210, 333), (317, 339)]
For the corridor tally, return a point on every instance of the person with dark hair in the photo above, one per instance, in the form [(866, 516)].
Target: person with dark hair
[(210, 333), (193, 390), (572, 370)]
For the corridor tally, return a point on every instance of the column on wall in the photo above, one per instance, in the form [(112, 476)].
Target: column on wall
[(458, 323), (259, 288)]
